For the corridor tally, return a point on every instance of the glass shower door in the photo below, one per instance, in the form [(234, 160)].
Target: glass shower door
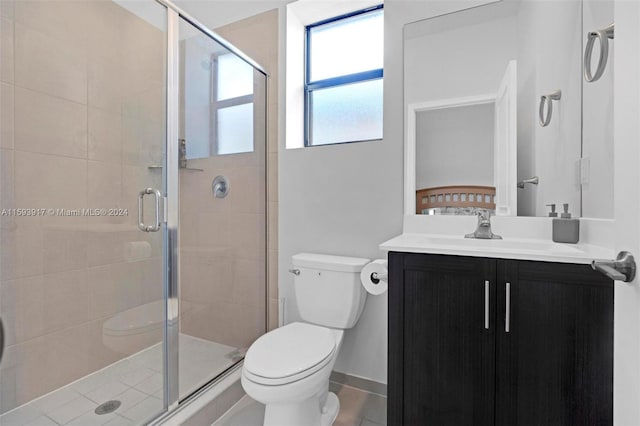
[(222, 207), (83, 89)]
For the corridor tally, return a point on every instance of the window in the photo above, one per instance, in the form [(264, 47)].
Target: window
[(232, 104), (343, 79)]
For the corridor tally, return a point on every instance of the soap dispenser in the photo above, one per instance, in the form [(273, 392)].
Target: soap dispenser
[(566, 229), (553, 212)]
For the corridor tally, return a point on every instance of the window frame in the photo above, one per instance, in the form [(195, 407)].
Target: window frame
[(217, 105), (342, 80)]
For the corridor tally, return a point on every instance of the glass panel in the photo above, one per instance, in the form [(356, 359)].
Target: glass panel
[(235, 77), (235, 129), (347, 46), (81, 287), (346, 113), (222, 240), (217, 98)]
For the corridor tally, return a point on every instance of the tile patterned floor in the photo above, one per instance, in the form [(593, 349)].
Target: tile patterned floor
[(357, 408), (135, 381)]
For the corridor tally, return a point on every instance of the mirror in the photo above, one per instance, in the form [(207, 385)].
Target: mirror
[(499, 112)]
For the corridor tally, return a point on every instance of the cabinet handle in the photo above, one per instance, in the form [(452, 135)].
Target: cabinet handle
[(486, 305), (507, 306)]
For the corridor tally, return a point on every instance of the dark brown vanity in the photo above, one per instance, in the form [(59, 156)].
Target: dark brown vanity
[(483, 341)]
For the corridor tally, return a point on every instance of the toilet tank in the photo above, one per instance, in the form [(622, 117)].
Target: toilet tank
[(328, 289)]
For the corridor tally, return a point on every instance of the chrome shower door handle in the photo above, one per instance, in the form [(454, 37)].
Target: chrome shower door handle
[(158, 200), (547, 100), (603, 35)]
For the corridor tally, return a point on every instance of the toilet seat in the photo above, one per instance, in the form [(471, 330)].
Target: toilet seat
[(289, 353)]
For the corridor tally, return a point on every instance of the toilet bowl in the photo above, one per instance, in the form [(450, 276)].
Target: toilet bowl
[(288, 368)]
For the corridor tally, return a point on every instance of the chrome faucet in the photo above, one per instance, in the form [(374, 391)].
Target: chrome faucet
[(483, 231)]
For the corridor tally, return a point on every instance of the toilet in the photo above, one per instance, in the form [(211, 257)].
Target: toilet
[(288, 368)]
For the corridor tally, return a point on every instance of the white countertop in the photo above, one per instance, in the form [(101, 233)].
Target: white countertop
[(508, 248)]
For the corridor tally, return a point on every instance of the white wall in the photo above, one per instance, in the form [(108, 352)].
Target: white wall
[(456, 58), (597, 134), (454, 146), (345, 200)]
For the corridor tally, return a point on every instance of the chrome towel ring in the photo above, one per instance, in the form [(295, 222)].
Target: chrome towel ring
[(548, 99), (603, 35)]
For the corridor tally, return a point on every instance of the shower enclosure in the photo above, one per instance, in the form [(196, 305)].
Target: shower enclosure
[(127, 282)]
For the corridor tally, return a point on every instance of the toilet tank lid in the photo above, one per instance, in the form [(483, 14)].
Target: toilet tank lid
[(329, 262)]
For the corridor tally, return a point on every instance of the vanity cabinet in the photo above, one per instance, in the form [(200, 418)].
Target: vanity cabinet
[(479, 341)]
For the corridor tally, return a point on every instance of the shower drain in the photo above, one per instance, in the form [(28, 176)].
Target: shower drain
[(108, 407)]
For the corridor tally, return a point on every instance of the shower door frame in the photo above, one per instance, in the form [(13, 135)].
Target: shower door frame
[(171, 258)]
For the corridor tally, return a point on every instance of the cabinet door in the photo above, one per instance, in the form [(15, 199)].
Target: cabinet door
[(555, 364), (441, 356)]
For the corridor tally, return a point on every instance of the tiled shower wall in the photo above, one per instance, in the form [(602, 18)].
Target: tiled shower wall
[(222, 241), (258, 37), (82, 98)]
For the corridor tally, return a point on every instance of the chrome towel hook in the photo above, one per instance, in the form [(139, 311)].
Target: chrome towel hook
[(603, 35), (548, 100), (532, 180)]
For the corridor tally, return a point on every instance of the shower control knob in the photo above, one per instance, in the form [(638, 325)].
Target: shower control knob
[(220, 186)]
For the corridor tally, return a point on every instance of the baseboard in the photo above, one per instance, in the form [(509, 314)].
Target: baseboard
[(359, 382)]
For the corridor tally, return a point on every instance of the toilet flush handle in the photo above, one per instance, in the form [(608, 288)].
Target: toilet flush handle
[(295, 272)]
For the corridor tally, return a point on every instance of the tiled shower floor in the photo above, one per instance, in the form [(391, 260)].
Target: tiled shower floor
[(136, 381)]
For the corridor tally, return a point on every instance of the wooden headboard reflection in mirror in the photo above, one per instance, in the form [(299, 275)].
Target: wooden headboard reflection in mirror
[(456, 196)]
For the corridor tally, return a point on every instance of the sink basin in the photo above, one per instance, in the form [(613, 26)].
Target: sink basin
[(523, 245), (507, 248)]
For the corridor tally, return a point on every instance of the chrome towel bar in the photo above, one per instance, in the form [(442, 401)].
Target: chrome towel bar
[(621, 269)]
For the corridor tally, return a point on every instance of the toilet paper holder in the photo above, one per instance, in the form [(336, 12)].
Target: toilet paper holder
[(377, 277)]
